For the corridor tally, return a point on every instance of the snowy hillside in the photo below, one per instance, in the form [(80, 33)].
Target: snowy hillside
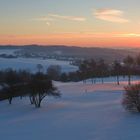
[(31, 64), (84, 112), (8, 51)]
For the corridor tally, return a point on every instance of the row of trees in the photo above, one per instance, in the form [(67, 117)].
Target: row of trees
[(100, 69), (95, 69), (22, 83)]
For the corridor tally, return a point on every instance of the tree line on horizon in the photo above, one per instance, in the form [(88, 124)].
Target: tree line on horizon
[(91, 69)]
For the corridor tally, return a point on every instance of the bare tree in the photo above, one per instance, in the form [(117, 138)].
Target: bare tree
[(39, 88), (129, 61), (131, 99), (117, 70), (102, 69)]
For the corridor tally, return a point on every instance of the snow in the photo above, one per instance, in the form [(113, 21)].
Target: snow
[(8, 51), (31, 64), (84, 112)]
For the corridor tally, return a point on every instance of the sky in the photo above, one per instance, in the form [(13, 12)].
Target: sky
[(87, 23)]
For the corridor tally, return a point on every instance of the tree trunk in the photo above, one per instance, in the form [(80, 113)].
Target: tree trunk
[(138, 108), (10, 100), (118, 83), (92, 80), (38, 104), (102, 80), (37, 101), (129, 79), (95, 81), (31, 100)]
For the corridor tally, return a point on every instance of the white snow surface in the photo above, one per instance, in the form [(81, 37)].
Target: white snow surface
[(31, 64), (84, 112), (8, 51)]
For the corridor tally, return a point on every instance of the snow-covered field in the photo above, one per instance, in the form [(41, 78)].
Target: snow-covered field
[(8, 51), (84, 112), (31, 64)]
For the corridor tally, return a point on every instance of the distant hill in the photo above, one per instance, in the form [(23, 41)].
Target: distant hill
[(72, 52)]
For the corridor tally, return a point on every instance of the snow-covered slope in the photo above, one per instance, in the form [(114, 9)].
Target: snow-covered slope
[(31, 64), (8, 51), (84, 112)]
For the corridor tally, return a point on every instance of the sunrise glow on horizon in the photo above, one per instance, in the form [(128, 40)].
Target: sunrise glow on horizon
[(89, 23)]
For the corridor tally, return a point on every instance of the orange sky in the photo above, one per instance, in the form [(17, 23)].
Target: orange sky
[(88, 23), (83, 39)]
